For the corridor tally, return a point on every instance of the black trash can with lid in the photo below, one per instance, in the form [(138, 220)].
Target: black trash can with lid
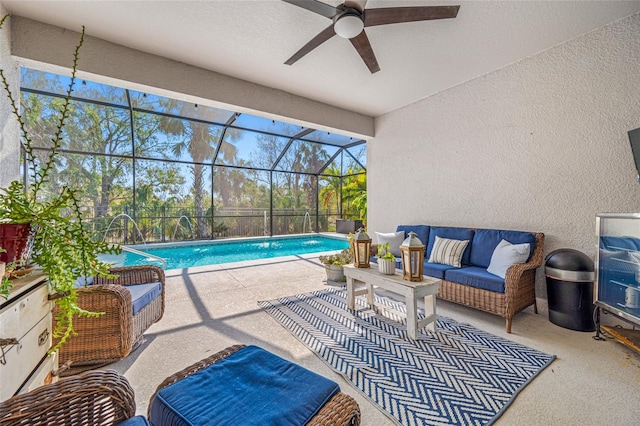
[(570, 275)]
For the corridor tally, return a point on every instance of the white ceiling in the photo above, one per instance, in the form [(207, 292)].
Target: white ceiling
[(251, 39)]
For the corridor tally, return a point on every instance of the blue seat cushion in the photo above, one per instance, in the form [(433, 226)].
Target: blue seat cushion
[(436, 270), (485, 242), (135, 421), (249, 387), (452, 234), (477, 277), (422, 232), (143, 294)]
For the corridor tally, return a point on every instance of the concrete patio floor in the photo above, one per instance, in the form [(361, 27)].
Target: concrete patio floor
[(210, 308)]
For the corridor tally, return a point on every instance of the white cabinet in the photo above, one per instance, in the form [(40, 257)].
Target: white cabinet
[(25, 337)]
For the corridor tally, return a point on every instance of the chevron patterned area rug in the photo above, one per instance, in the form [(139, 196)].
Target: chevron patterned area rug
[(459, 375)]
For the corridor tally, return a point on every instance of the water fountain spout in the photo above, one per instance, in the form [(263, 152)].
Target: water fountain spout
[(127, 217), (178, 224), (265, 230), (307, 217)]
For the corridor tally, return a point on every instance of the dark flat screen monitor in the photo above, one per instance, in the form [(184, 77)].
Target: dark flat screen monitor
[(634, 139)]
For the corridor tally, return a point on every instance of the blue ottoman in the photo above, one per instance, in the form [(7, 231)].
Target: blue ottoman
[(247, 385)]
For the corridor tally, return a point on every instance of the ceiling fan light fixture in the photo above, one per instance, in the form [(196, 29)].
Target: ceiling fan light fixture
[(348, 26), (350, 18)]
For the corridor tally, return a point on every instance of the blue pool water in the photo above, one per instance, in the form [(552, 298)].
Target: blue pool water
[(217, 252)]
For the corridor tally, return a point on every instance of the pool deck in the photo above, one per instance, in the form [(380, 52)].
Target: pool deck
[(211, 307)]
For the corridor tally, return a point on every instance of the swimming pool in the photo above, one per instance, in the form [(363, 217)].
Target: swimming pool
[(225, 251)]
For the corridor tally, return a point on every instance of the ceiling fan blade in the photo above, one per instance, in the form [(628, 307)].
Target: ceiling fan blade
[(362, 45), (356, 4), (325, 35), (396, 15), (315, 6)]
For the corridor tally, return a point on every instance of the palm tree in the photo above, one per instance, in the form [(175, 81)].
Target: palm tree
[(200, 141), (201, 144), (330, 190), (354, 194)]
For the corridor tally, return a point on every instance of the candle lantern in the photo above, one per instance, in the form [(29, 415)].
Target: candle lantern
[(412, 251), (361, 246)]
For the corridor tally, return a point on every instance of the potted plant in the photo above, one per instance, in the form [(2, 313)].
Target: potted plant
[(60, 245), (386, 260), (5, 285), (334, 263), (15, 243)]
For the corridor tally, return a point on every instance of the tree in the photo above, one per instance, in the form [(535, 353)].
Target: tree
[(331, 188), (93, 127), (200, 141), (354, 194)]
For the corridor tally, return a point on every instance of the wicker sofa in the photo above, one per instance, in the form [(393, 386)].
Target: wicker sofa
[(471, 285), (131, 302)]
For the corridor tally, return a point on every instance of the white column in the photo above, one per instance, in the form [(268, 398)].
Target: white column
[(9, 130)]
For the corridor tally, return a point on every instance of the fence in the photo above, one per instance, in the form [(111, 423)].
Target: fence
[(167, 224)]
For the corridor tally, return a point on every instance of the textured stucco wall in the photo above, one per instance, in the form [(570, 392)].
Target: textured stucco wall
[(9, 140), (538, 145)]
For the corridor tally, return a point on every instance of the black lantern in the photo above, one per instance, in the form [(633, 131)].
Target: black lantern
[(412, 251), (361, 245)]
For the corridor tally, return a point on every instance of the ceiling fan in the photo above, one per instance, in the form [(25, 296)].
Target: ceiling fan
[(350, 19)]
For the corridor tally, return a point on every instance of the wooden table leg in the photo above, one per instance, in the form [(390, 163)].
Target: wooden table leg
[(412, 315), (351, 294), (430, 309), (370, 294)]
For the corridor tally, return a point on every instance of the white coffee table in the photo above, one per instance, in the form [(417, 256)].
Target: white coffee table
[(370, 278)]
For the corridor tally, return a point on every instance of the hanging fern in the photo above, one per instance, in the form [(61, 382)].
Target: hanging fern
[(62, 247)]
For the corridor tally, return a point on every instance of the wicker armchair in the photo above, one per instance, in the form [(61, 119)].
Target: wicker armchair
[(93, 398), (115, 334), (340, 410)]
